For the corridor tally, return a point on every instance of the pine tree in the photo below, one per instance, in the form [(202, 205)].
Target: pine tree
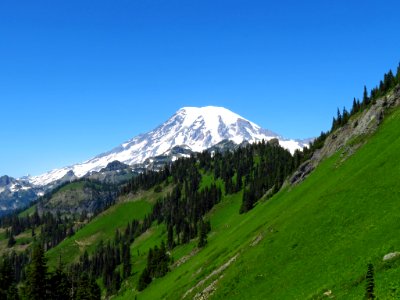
[(339, 118), (202, 234), (115, 283), (95, 292), (36, 280), (391, 80), (162, 260), (345, 116), (365, 97), (248, 200), (87, 288), (369, 289), (354, 108), (126, 260), (82, 290), (59, 283), (334, 124), (170, 237), (8, 288), (144, 279)]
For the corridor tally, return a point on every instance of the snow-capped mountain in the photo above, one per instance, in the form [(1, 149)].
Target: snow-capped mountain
[(195, 128), (15, 193)]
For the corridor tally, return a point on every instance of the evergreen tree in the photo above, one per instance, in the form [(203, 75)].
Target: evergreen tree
[(144, 279), (389, 81), (60, 285), (365, 97), (87, 288), (115, 283), (36, 280), (354, 108), (345, 116), (369, 289), (170, 237), (8, 288), (202, 234), (95, 291), (126, 260), (339, 118), (334, 124), (162, 260), (248, 200)]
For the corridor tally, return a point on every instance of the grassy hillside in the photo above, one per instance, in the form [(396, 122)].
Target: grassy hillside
[(102, 227), (23, 241), (307, 240)]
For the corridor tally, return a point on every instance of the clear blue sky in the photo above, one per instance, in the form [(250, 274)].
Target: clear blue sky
[(80, 77)]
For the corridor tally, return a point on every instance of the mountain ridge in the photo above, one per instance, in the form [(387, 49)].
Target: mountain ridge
[(197, 128)]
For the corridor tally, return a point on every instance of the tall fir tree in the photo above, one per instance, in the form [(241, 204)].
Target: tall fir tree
[(170, 237), (126, 260), (87, 288), (345, 116), (365, 96), (36, 280), (354, 108), (60, 285), (8, 287), (144, 279), (202, 234)]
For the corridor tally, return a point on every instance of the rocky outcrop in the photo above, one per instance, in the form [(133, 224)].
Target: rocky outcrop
[(391, 256), (77, 197), (351, 136), (115, 172)]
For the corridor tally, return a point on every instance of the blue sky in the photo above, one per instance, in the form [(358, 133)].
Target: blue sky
[(80, 77)]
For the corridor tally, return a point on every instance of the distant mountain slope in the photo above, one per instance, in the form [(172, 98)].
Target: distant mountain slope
[(194, 128), (16, 193)]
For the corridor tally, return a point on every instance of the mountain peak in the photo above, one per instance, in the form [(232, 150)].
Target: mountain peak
[(195, 128), (216, 124), (210, 114)]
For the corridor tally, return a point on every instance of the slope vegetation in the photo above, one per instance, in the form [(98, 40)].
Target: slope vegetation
[(310, 241), (103, 227)]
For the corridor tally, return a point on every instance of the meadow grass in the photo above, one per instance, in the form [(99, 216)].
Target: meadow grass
[(102, 227), (315, 237)]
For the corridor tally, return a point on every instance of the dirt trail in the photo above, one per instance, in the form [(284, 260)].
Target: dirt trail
[(213, 273)]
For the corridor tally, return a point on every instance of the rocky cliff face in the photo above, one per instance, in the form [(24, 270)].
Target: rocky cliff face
[(351, 136)]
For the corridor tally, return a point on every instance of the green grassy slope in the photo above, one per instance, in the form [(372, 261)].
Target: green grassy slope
[(306, 240), (102, 227), (29, 211)]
